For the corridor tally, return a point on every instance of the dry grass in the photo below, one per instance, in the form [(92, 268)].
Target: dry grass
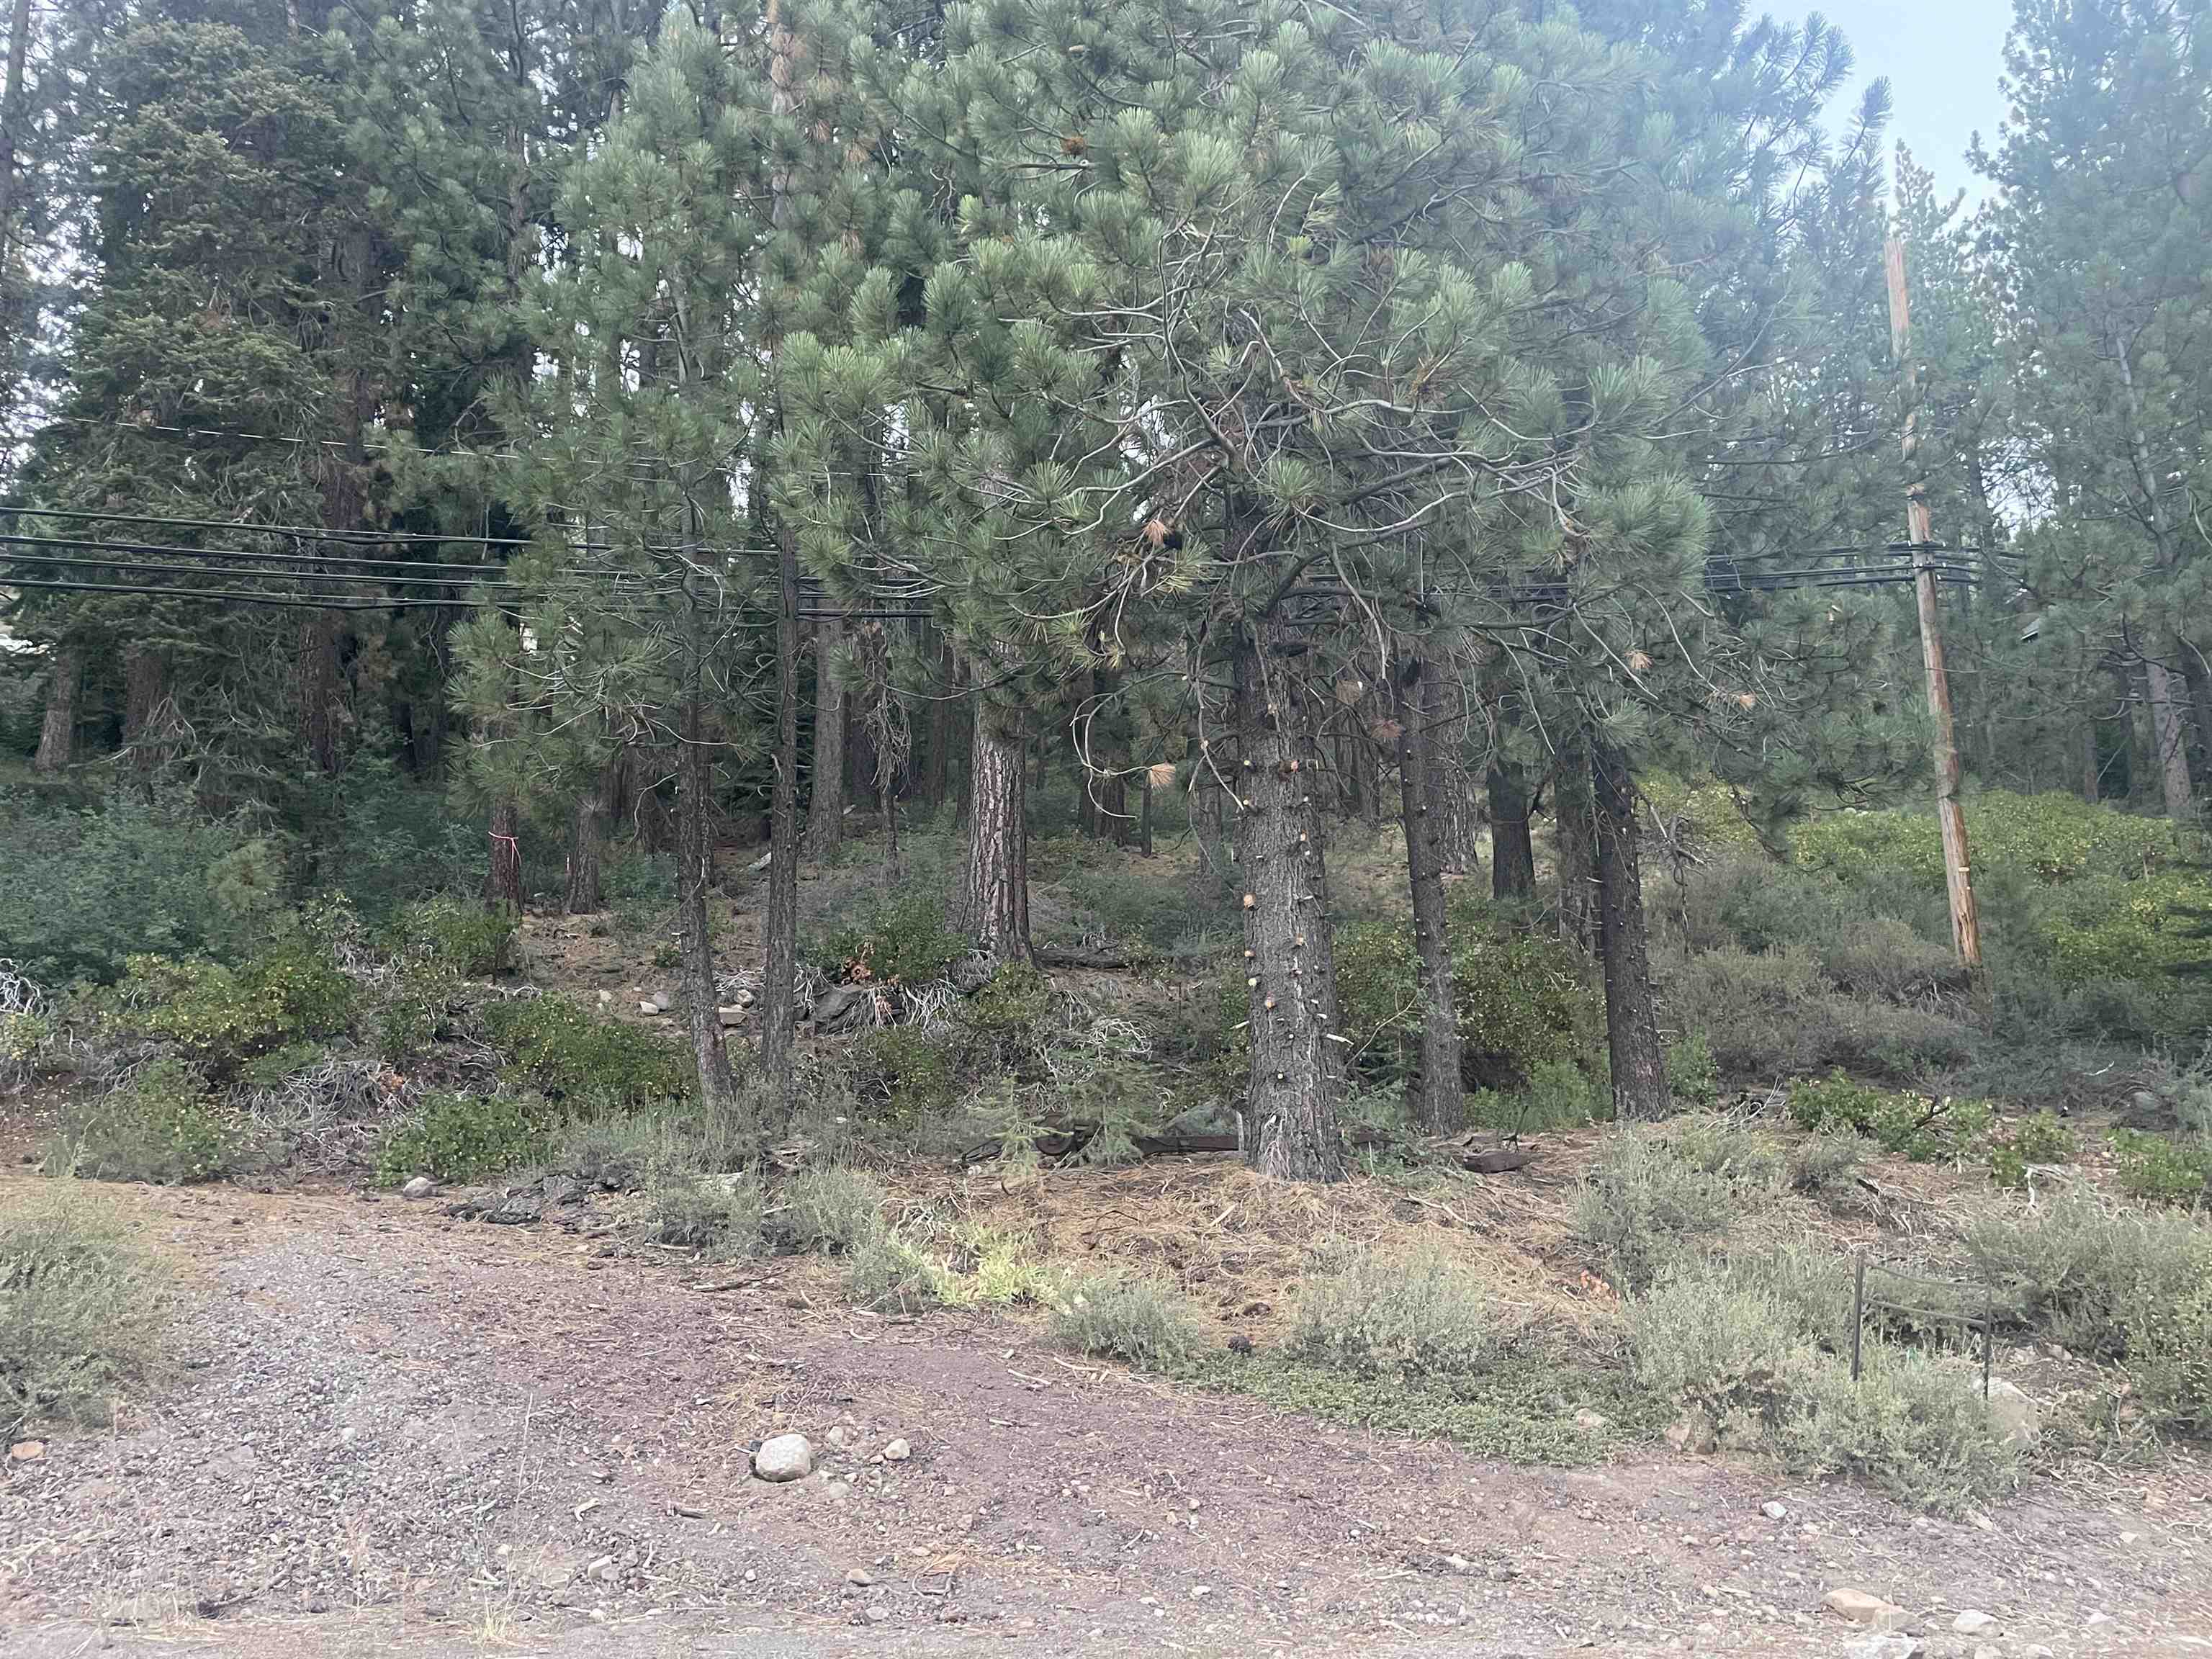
[(1237, 1245)]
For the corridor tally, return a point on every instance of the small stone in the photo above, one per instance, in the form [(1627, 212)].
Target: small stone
[(897, 1452), (1863, 1608), (605, 997), (785, 1457), (2036, 1650), (1985, 1651), (838, 1438), (1980, 1522), (420, 1186), (26, 1452), (2130, 1537), (2019, 1419), (730, 1016), (859, 1577), (648, 1007), (603, 1569), (876, 1614), (1971, 1623), (2098, 1618), (1889, 1647), (1773, 1510), (1590, 1422)]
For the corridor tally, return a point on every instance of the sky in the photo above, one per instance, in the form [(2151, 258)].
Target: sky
[(1942, 59)]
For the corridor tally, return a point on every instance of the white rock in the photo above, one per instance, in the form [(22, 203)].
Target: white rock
[(2130, 1537), (876, 1615), (1971, 1623), (1985, 1651), (1889, 1647), (859, 1577), (2019, 1419), (897, 1452), (26, 1452), (1773, 1510), (785, 1457), (1980, 1522), (1864, 1607), (648, 1007), (420, 1186), (730, 1016)]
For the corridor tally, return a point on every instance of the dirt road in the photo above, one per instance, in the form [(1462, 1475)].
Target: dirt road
[(395, 1432)]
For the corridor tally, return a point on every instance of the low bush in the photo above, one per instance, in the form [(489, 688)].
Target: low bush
[(1650, 1209), (1826, 1162), (902, 940), (162, 1126), (905, 1075), (571, 1055), (889, 1274), (621, 1153), (81, 1313), (1132, 1319), (2085, 1275), (1693, 1076), (468, 938), (455, 1137), (1754, 1347), (834, 1211), (2161, 1169), (1926, 1131), (1377, 1316), (221, 1017), (717, 1215), (2042, 1139)]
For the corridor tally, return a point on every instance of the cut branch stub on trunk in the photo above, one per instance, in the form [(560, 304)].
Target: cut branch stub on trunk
[(1297, 1054)]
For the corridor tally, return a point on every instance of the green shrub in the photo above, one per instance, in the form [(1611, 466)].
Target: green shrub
[(162, 1126), (1754, 1347), (464, 1137), (1376, 1315), (467, 937), (1132, 1319), (1826, 1162), (2093, 1279), (834, 1210), (1648, 1210), (221, 1017), (1010, 1019), (1922, 1130), (719, 1216), (1750, 1159), (889, 1274), (1693, 1076), (913, 1073), (2169, 1345), (88, 888), (902, 941), (2161, 1168), (2043, 1138), (81, 1313), (572, 1056)]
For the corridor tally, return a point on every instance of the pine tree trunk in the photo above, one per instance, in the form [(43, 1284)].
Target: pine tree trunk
[(316, 662), (58, 733), (1297, 1068), (694, 939), (825, 804), (11, 123), (145, 688), (1209, 869), (586, 833), (1512, 852), (937, 747), (503, 880), (780, 971), (2170, 737), (1435, 1093), (1462, 815), (1572, 814), (2200, 707), (995, 887), (2092, 769), (1144, 818), (1631, 1014)]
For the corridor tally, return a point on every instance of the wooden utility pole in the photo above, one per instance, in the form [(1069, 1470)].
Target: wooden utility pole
[(1958, 868)]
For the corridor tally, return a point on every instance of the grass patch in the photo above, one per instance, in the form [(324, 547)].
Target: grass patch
[(83, 1312)]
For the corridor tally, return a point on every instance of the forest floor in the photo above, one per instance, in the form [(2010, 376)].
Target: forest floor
[(395, 1431)]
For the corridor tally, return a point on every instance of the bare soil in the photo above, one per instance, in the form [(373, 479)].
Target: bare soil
[(395, 1431)]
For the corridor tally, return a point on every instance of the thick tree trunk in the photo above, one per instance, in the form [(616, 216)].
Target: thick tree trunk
[(58, 733), (1512, 853), (1631, 1014), (1572, 812), (1145, 818), (1462, 813), (2092, 767), (145, 690), (2170, 738), (2200, 708), (825, 803), (1297, 1054), (503, 880), (695, 940), (937, 745), (322, 719), (1435, 1093), (587, 834), (994, 889)]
